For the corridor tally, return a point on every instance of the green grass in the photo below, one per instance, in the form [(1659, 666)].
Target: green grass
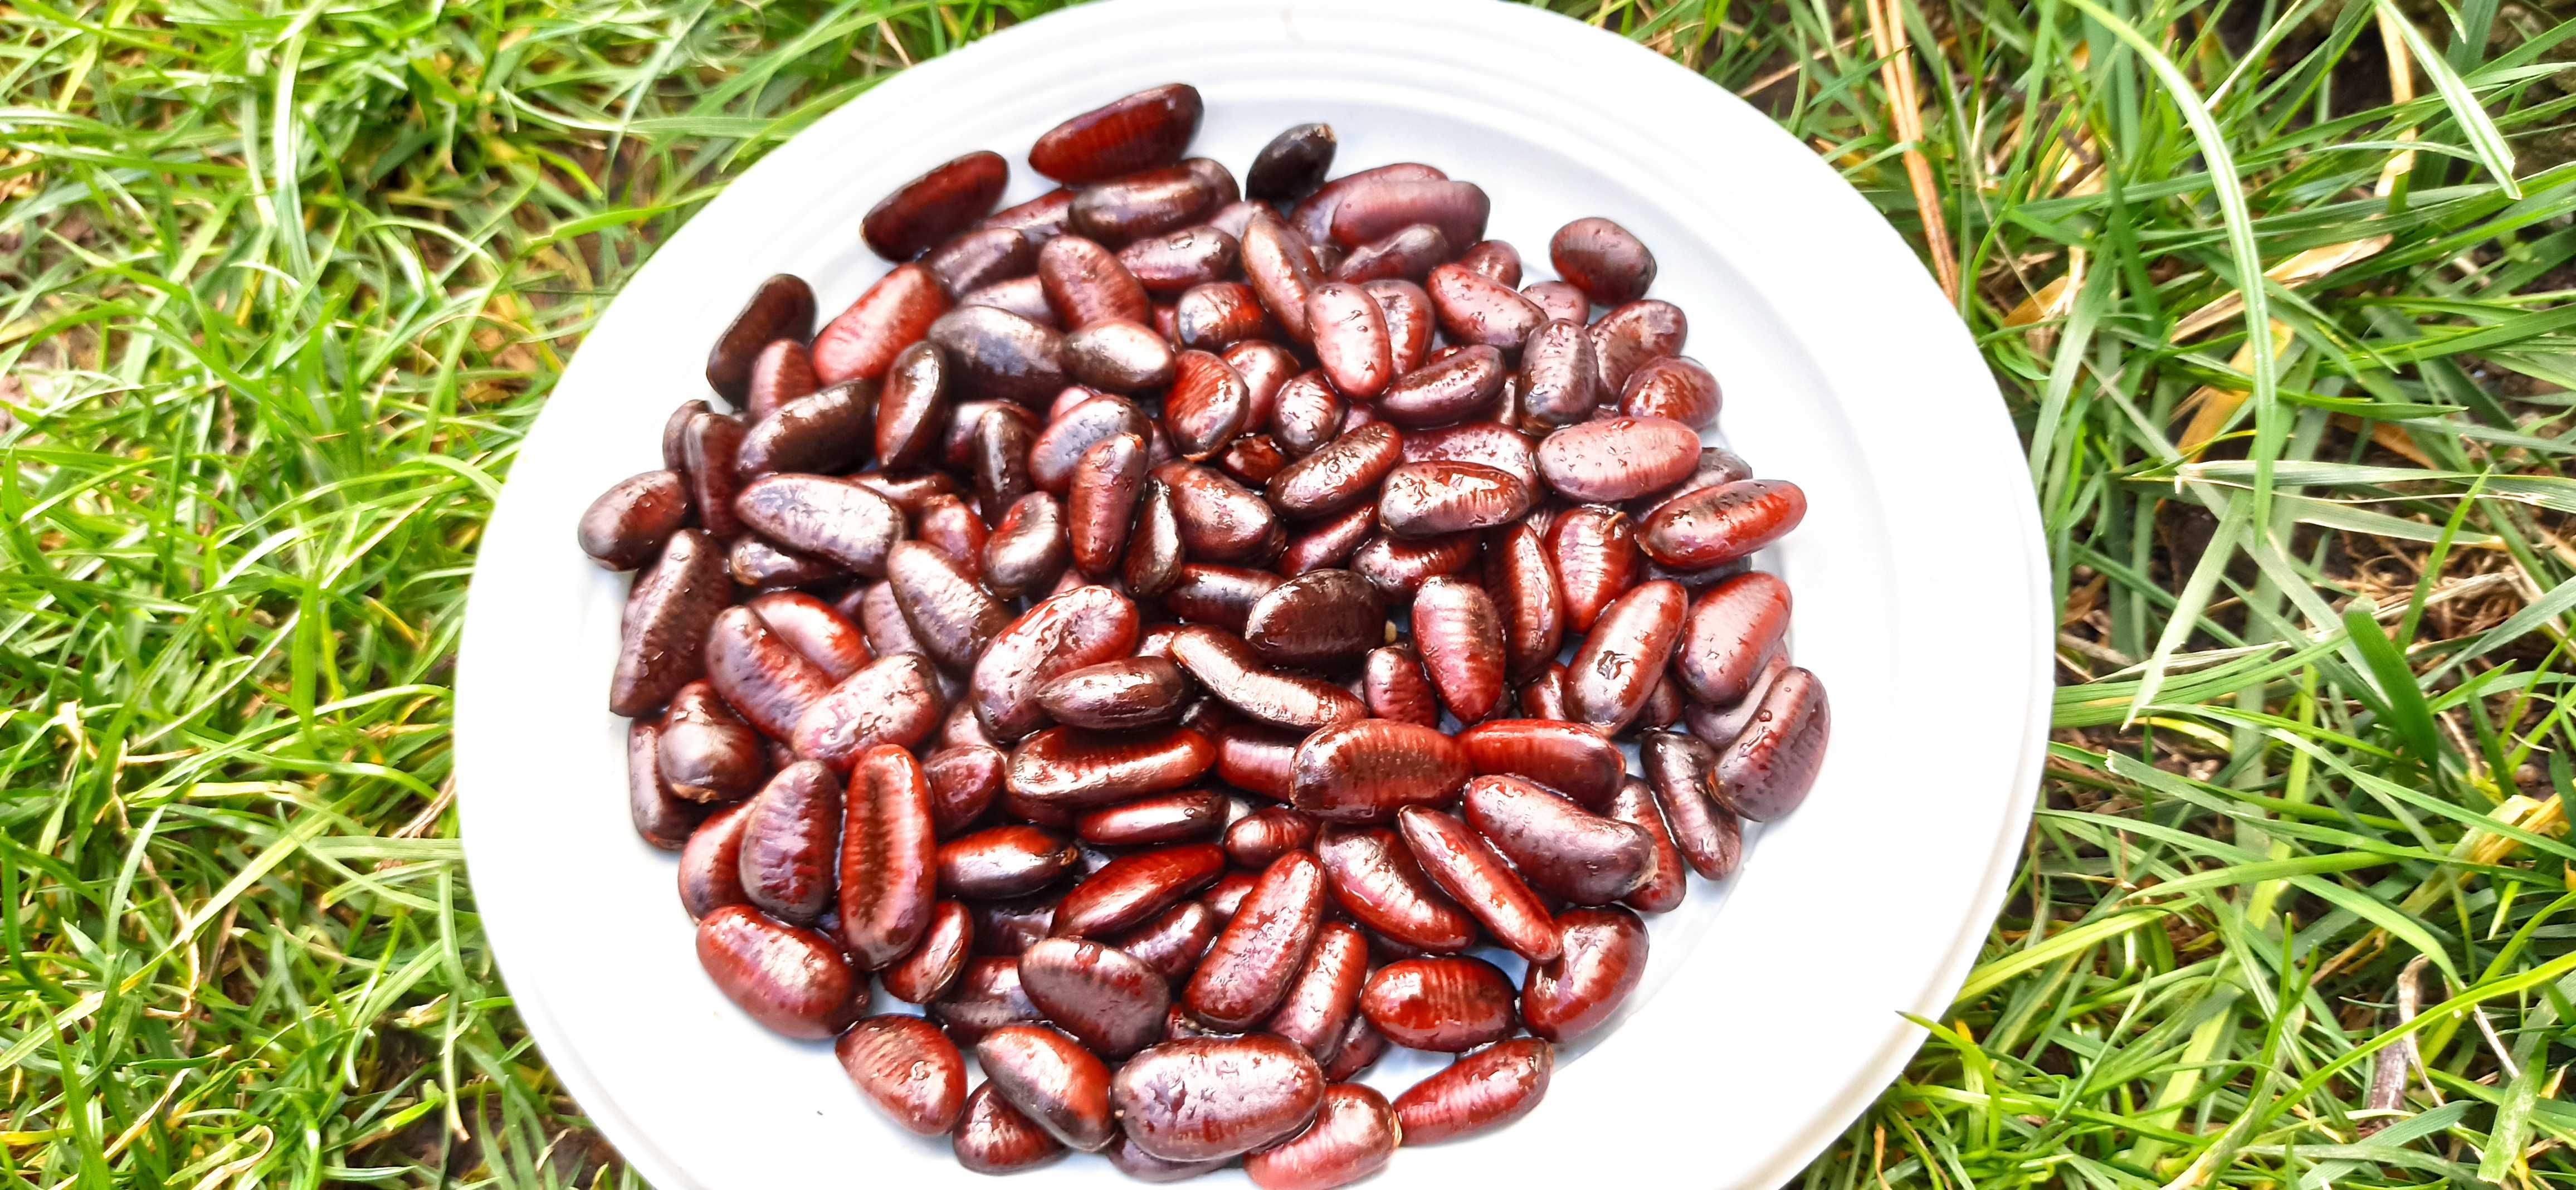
[(281, 288)]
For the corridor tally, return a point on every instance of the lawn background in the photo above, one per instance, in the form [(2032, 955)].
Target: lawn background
[(281, 287)]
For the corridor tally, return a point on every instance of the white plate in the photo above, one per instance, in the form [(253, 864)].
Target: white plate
[(1770, 1015)]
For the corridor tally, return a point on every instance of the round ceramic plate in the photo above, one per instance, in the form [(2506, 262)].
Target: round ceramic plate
[(1773, 1007)]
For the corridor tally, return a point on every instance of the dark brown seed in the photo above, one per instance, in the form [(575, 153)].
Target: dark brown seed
[(1595, 549), (789, 979), (1220, 520), (675, 431), (948, 612), (1362, 1045), (1605, 957), (706, 752), (1730, 636), (1483, 1090), (627, 526), (1029, 549), (1039, 219), (1206, 406), (1431, 499), (1683, 772), (1560, 381), (827, 431), (1374, 877), (1398, 568), (1342, 474), (1116, 695), (1313, 215), (759, 676), (1569, 758), (1307, 414), (1522, 580), (881, 620), (1118, 356), (1132, 889), (712, 448), (1169, 264), (1604, 260), (1624, 655), (1111, 1001), (1474, 308), (1023, 296), (1265, 367), (1486, 442), (934, 964), (936, 205), (1083, 627), (999, 354), (1260, 838), (1256, 957), (1293, 164), (894, 700), (711, 863), (1409, 320), (1057, 1083), (1717, 525), (662, 817), (1367, 770), (992, 1137), (1173, 941), (782, 308), (1142, 1166), (1257, 759), (1624, 339), (908, 1068), (1666, 879), (1325, 994), (911, 491), (1394, 687), (1350, 338), (1059, 449), (1446, 1005), (1466, 867), (861, 343), (1146, 130), (1558, 846), (888, 857), (760, 566), (1252, 460), (1011, 927), (1220, 596), (912, 412), (1544, 696), (1148, 202), (836, 519), (1766, 771), (787, 846), (1154, 550), (1376, 208), (1559, 300), (1076, 769), (1615, 458), (1407, 253), (1152, 821), (1225, 896), (986, 996), (1460, 637), (1003, 861), (1676, 387), (1232, 671), (1329, 542), (1209, 1098), (981, 256), (1217, 315), (1454, 389), (1317, 619), (1281, 270), (1085, 284), (1494, 259)]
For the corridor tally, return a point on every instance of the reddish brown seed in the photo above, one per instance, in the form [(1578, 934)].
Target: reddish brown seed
[(1446, 1005), (1307, 414), (1256, 957), (992, 1137), (1730, 635), (788, 978), (1474, 308), (1430, 499), (1293, 164), (1150, 821), (1220, 520), (1493, 259), (1558, 846), (951, 615), (1003, 861), (1144, 203), (1071, 434), (1366, 771), (826, 517), (1683, 773), (1131, 889), (1381, 206), (1406, 254), (760, 566), (1217, 315), (1522, 580), (861, 343), (827, 430), (1040, 219), (1560, 382), (912, 411), (1340, 475), (788, 841), (1209, 1098), (1221, 596), (1226, 895), (1154, 552), (630, 523), (911, 491), (1023, 296), (1317, 619), (1001, 355), (1257, 759), (1146, 130), (1281, 270), (711, 863), (1604, 260), (1085, 626), (1053, 1080), (1141, 1166), (1232, 671), (1393, 685), (1265, 367), (1106, 485), (1595, 551), (1543, 697), (706, 753), (1559, 300), (935, 206), (759, 676), (1766, 771), (782, 308), (1605, 957), (711, 449), (1374, 877), (1409, 320), (1170, 263), (1466, 867), (1398, 568), (1616, 458), (1350, 337), (1118, 356), (1480, 1091), (1569, 758), (1624, 339), (888, 857), (1258, 839), (1206, 406), (1313, 215), (1717, 525), (1666, 878), (1085, 284), (981, 256), (954, 528), (1116, 695), (1174, 940), (908, 1068), (1460, 638), (1676, 387), (1330, 542), (662, 818), (817, 633), (1112, 1002), (1457, 388), (894, 700), (1251, 460), (1361, 1046), (1029, 550), (1489, 443), (1317, 1011), (1624, 655), (986, 996), (882, 622), (1074, 769), (933, 965), (1011, 927), (964, 781)]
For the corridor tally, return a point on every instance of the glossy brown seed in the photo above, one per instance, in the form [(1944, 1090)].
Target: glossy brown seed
[(1141, 1166), (711, 863), (1317, 1011), (1407, 253), (1261, 837), (998, 354), (1225, 896), (1313, 215), (1683, 773), (1221, 596), (1050, 1078), (1394, 687), (912, 411), (1624, 339), (1522, 580), (1170, 263), (1677, 387), (1430, 499), (837, 519), (1474, 308), (1003, 861), (1000, 450), (1559, 300), (1616, 458), (1146, 130), (893, 700), (1118, 356), (675, 431), (1398, 568), (1604, 260), (1595, 551), (711, 447), (1350, 338), (1621, 659), (706, 753), (782, 308), (1730, 636), (1265, 367), (981, 256), (760, 566), (759, 676), (787, 978), (1154, 550), (881, 620), (627, 526), (1543, 697), (933, 965), (1460, 637), (1330, 542), (951, 615), (908, 1068), (1317, 619), (993, 1137), (1144, 203), (1558, 846), (1217, 315), (1409, 320), (1493, 259), (1569, 758), (1251, 460), (1206, 405), (662, 818), (1086, 424), (1220, 520), (1235, 673), (888, 857), (1209, 1098), (1293, 164), (1768, 769), (1173, 941), (1076, 769), (1029, 549), (954, 528), (1666, 879), (1023, 296), (825, 431), (1083, 627), (1383, 205), (964, 780), (1460, 387), (1467, 868), (788, 843), (1011, 927), (1110, 1001), (1256, 957), (936, 205), (1132, 889), (1116, 695), (1085, 284), (1717, 525), (1485, 442), (894, 313), (1605, 957), (1365, 771), (1151, 821), (911, 491), (1480, 1091), (1340, 475), (1560, 381), (986, 996), (1257, 759), (1446, 1005), (1281, 270), (1374, 877), (1040, 219), (1361, 1046)]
